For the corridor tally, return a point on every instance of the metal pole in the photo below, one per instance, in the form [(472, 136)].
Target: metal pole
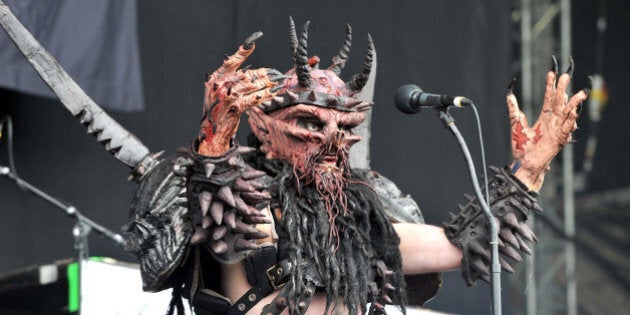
[(526, 92), (567, 165), (526, 57)]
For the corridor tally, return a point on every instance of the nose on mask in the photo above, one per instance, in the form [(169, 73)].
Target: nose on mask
[(335, 142)]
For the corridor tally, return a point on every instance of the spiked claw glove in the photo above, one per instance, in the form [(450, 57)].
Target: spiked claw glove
[(511, 205), (227, 198)]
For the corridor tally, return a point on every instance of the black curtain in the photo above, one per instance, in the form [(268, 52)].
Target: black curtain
[(449, 47)]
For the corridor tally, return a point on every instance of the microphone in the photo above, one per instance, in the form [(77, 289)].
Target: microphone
[(410, 99)]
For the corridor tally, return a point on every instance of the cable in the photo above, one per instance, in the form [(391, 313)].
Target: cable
[(483, 152)]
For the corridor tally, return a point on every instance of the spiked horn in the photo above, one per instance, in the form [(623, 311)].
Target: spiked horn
[(339, 61), (359, 80), (293, 41), (300, 55)]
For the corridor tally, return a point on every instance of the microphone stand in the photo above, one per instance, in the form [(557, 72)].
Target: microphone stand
[(449, 123), (81, 229)]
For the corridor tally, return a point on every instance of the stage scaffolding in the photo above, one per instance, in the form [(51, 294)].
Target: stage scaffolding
[(548, 279)]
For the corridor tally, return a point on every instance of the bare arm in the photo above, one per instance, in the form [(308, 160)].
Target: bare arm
[(425, 248)]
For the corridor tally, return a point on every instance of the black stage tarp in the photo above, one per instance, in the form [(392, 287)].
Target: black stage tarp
[(450, 47)]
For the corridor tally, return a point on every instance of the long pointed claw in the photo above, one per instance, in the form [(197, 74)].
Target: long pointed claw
[(216, 212), (225, 194), (507, 235), (587, 90), (510, 252), (242, 185), (526, 231), (506, 266), (554, 64), (256, 196), (241, 206), (244, 228), (230, 219), (209, 168), (258, 235), (278, 77), (205, 198), (200, 235), (480, 266), (486, 279), (511, 220), (205, 222), (479, 250), (273, 73), (276, 88), (219, 247), (249, 42), (571, 67), (511, 86), (219, 232), (524, 246), (257, 220), (243, 245), (252, 173)]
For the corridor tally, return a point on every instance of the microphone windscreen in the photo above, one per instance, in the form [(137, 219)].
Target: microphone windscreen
[(403, 98)]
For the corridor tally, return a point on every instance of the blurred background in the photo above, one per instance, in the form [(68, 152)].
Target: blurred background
[(145, 63)]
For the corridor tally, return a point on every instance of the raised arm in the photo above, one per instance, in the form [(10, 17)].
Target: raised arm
[(464, 242)]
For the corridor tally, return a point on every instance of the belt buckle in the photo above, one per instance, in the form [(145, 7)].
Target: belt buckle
[(273, 273)]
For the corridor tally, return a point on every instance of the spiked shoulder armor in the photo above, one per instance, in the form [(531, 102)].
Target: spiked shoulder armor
[(191, 200), (161, 228)]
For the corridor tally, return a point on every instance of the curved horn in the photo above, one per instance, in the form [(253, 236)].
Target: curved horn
[(301, 59), (359, 80), (339, 61), (293, 41)]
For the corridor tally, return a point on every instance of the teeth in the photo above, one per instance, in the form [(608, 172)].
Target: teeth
[(85, 116)]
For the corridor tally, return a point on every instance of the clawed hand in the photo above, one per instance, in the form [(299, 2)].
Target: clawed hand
[(535, 147), (230, 92)]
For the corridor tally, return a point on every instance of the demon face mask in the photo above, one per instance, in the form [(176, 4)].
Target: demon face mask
[(309, 123)]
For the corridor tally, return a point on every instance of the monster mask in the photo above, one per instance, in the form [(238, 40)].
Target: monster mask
[(309, 123)]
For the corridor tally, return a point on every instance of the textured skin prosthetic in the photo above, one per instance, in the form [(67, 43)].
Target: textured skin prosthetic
[(513, 189)]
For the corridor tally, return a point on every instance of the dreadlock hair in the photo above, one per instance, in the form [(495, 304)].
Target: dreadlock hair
[(344, 268)]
